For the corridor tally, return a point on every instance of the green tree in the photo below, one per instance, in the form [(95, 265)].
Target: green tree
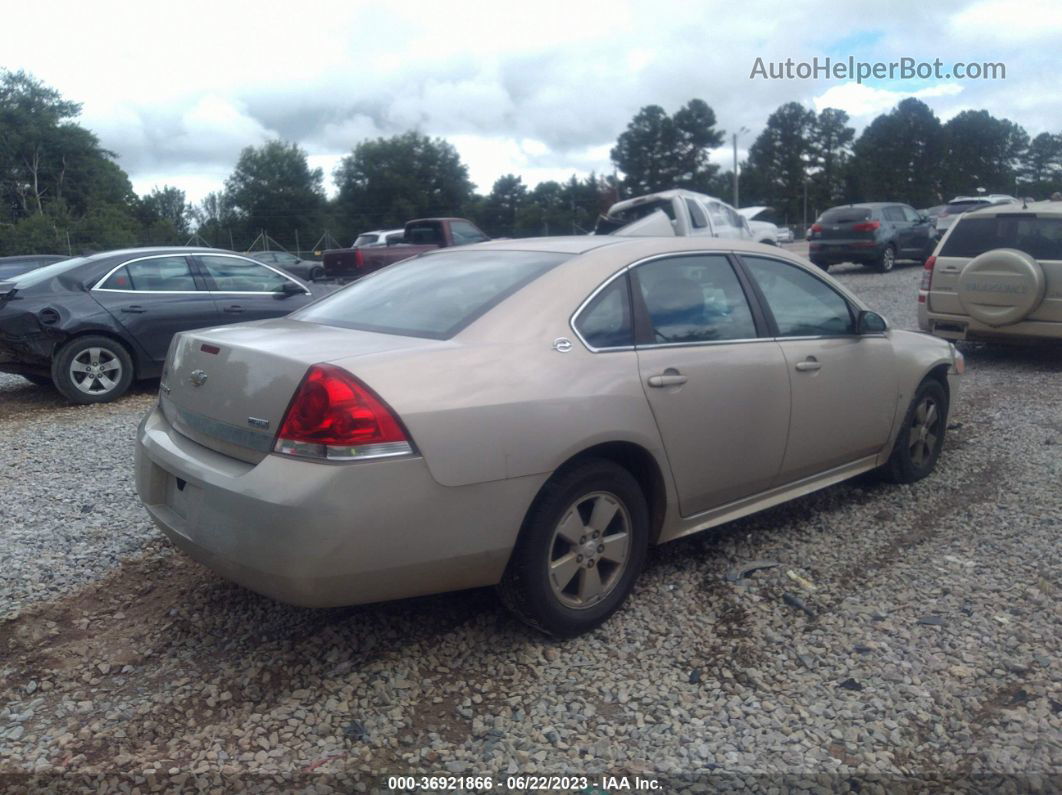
[(981, 151), (779, 159), (830, 152), (659, 152), (899, 157), (1040, 168), (273, 188), (388, 181), (503, 203)]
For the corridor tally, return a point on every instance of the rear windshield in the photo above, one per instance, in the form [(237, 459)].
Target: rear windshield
[(845, 215), (957, 208), (41, 275), (364, 240), (607, 224), (435, 295), (1040, 238)]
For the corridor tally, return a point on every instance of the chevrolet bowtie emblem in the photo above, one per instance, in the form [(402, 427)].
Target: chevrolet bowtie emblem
[(198, 377)]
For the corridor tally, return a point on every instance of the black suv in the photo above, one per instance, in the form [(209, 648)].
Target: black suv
[(875, 234)]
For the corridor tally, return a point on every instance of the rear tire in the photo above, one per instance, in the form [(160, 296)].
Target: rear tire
[(887, 261), (92, 369), (921, 437), (582, 546), (317, 274)]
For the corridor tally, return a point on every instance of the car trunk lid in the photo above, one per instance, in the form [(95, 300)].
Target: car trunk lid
[(846, 224), (228, 388)]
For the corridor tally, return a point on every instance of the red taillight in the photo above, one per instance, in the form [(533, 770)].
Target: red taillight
[(334, 416), (866, 226), (927, 279), (816, 229), (359, 258)]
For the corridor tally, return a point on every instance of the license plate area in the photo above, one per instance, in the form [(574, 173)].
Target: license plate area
[(182, 497)]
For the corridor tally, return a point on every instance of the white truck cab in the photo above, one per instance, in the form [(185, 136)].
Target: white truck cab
[(680, 213)]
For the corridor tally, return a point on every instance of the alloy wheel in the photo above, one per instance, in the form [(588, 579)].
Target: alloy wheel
[(924, 435), (96, 371), (590, 550)]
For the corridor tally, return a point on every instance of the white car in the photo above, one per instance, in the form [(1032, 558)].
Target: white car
[(962, 204), (379, 237), (764, 231), (681, 213)]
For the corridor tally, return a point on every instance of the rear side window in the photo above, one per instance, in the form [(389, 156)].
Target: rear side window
[(235, 275), (694, 299), (156, 275), (424, 234), (845, 215), (1040, 238), (432, 296), (606, 321)]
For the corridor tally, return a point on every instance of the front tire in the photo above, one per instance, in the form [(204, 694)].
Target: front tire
[(921, 436), (92, 369), (582, 546), (317, 274)]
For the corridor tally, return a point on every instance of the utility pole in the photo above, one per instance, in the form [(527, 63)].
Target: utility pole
[(737, 201)]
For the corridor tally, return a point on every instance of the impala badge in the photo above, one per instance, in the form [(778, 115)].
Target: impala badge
[(198, 377)]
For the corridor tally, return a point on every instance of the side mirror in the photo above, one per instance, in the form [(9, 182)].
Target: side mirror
[(288, 289), (869, 322)]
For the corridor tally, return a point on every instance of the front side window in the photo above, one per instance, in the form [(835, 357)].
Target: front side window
[(606, 321), (464, 233), (802, 304), (156, 275), (894, 214), (694, 299), (236, 275), (432, 296), (697, 216), (910, 214), (715, 210)]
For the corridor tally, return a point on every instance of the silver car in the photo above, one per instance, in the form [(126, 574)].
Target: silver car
[(531, 414)]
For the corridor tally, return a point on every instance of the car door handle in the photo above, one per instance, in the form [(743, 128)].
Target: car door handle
[(809, 364), (668, 378), (135, 309), (234, 309)]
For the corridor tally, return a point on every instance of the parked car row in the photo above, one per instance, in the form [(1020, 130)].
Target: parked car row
[(875, 234)]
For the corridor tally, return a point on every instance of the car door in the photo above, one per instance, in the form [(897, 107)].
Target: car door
[(722, 222), (899, 230), (718, 390), (154, 298), (843, 384), (699, 226), (249, 290), (920, 234)]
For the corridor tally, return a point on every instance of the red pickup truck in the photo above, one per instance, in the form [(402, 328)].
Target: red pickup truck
[(424, 234)]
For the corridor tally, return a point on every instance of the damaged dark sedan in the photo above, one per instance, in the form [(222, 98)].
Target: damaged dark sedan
[(93, 325)]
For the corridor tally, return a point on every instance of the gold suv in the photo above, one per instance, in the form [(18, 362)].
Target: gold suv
[(996, 275)]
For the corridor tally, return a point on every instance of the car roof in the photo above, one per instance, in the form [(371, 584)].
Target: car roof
[(1031, 208), (147, 251), (868, 205), (663, 194), (583, 244)]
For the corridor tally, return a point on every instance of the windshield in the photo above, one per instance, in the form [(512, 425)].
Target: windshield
[(957, 208), (433, 296), (41, 275)]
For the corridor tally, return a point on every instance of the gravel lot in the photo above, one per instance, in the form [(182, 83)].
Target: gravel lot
[(930, 652)]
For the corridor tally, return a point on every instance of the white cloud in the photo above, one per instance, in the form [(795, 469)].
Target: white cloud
[(1008, 21), (860, 100)]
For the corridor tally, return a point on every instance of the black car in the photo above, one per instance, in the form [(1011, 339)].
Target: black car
[(303, 268), (91, 325), (24, 263), (876, 234)]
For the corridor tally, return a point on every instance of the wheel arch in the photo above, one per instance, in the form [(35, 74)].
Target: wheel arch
[(134, 354), (642, 465)]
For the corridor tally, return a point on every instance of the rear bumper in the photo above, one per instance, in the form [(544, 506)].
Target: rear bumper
[(844, 252), (323, 535), (964, 327)]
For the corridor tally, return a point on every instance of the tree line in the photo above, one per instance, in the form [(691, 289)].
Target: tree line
[(61, 191)]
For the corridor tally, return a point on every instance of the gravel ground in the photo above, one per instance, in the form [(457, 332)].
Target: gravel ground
[(929, 649)]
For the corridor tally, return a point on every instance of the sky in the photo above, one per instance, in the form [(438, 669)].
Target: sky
[(540, 89)]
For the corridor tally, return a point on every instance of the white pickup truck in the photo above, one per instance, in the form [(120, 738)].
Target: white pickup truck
[(682, 213)]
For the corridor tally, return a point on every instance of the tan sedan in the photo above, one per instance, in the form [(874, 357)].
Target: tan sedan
[(531, 414)]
